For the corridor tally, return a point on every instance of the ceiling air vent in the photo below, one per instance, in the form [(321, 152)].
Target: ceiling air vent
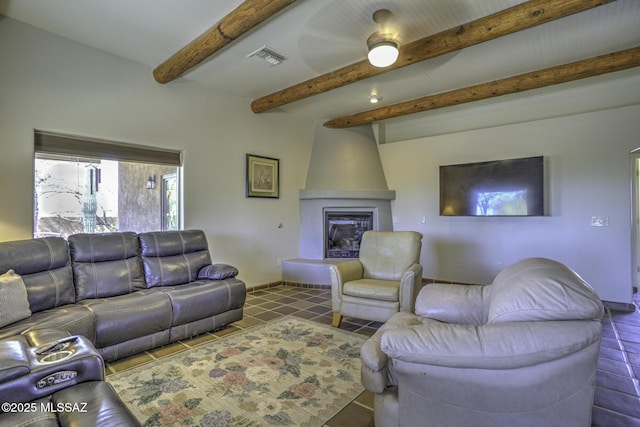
[(267, 54)]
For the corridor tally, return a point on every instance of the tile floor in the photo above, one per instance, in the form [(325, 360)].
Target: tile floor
[(617, 397)]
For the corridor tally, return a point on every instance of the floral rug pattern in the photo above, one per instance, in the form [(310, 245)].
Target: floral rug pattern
[(287, 372)]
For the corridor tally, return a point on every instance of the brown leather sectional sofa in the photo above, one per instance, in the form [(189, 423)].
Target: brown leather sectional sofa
[(120, 292)]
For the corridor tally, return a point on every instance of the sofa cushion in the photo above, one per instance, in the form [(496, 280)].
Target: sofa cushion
[(204, 298), (173, 257), (542, 289), (73, 318), (45, 269), (14, 303), (106, 264), (127, 317)]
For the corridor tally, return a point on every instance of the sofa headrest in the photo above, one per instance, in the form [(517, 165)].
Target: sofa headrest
[(33, 255), (168, 243), (535, 289)]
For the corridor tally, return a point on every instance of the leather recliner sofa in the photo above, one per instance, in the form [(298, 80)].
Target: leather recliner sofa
[(45, 382), (123, 291), (522, 351)]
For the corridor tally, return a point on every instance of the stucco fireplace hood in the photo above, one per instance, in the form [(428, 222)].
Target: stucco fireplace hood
[(345, 173), (345, 164)]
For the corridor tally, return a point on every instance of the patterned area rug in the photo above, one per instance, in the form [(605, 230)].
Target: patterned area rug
[(286, 372)]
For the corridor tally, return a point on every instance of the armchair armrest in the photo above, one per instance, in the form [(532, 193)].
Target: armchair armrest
[(492, 346), (410, 286), (460, 304), (342, 273)]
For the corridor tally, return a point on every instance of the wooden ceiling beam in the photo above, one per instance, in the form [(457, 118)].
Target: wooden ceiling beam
[(245, 17), (511, 20), (591, 67)]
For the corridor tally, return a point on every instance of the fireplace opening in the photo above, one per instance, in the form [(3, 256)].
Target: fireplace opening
[(343, 232)]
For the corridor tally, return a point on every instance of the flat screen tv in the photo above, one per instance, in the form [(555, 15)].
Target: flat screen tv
[(513, 187)]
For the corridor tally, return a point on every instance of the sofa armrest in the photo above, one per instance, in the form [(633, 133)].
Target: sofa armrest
[(217, 272), (44, 373), (492, 346), (460, 304), (38, 337), (377, 373), (93, 403), (13, 360)]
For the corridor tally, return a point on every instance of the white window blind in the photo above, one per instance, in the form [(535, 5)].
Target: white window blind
[(58, 144)]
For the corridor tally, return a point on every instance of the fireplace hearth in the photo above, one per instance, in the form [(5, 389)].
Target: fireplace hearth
[(343, 232)]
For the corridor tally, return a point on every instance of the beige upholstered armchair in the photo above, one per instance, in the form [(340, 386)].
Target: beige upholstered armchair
[(384, 280), (522, 351)]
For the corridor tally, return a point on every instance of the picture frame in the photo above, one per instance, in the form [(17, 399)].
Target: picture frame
[(263, 177)]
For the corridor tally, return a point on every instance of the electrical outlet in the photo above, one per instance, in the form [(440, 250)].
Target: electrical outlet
[(458, 262), (423, 220), (279, 262), (599, 221)]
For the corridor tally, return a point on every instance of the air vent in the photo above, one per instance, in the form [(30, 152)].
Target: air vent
[(268, 55)]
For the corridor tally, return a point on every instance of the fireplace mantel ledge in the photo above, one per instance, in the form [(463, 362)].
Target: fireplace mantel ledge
[(347, 194)]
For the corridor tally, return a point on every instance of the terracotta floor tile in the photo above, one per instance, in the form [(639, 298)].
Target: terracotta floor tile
[(616, 400)]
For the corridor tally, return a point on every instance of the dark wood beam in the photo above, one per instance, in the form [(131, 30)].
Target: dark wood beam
[(608, 63), (514, 19), (245, 17)]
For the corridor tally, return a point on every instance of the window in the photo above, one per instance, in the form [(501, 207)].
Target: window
[(90, 186)]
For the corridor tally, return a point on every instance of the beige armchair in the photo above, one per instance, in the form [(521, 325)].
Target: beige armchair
[(384, 280), (522, 351)]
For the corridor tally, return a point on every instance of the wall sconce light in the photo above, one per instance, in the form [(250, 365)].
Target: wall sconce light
[(151, 182)]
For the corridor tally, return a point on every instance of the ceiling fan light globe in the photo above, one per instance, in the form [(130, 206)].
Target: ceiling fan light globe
[(383, 54)]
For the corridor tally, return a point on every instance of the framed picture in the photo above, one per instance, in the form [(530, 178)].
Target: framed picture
[(263, 176)]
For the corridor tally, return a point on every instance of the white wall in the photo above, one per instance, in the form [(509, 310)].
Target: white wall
[(51, 83), (588, 174)]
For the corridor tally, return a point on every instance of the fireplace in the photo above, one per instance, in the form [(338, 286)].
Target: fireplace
[(343, 232), (345, 177)]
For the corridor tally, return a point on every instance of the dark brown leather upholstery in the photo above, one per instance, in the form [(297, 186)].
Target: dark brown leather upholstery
[(173, 257), (26, 372), (105, 265), (38, 389), (44, 267), (93, 403), (171, 263), (125, 292)]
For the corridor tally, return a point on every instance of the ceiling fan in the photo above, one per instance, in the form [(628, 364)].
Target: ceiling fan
[(383, 44)]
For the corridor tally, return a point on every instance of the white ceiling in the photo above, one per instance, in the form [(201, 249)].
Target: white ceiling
[(318, 36)]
